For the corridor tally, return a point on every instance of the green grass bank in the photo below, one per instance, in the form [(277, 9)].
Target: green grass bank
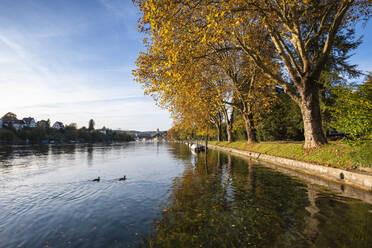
[(334, 154)]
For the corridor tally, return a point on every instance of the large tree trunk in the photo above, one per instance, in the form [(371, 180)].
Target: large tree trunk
[(228, 131), (311, 116), (249, 128), (218, 133), (229, 122), (218, 127)]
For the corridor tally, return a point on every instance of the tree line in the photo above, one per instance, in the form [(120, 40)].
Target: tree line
[(256, 69), (44, 133)]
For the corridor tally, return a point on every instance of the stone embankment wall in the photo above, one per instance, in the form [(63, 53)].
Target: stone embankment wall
[(353, 178)]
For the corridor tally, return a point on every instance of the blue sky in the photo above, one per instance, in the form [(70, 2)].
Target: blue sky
[(71, 61)]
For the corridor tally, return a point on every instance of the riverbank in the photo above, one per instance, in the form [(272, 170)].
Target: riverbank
[(291, 155), (334, 154)]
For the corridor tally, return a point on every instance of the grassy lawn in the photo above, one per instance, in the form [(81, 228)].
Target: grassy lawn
[(334, 154)]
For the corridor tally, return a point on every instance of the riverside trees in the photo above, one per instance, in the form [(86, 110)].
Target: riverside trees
[(305, 35), (285, 42)]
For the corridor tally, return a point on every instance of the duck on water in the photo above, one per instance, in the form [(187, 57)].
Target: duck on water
[(120, 179)]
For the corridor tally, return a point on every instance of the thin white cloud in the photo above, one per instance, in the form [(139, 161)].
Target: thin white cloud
[(24, 56), (126, 12), (31, 89), (119, 8), (47, 70)]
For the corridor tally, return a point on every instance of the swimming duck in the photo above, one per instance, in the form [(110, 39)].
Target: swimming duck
[(123, 178), (97, 179)]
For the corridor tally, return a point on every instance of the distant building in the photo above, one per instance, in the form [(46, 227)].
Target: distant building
[(58, 125), (18, 124), (43, 124), (1, 123), (29, 122), (102, 131)]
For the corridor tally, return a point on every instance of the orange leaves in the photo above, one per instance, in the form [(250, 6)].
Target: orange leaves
[(204, 55)]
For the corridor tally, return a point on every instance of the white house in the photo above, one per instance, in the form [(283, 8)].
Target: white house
[(29, 122), (102, 131), (58, 125), (1, 123), (18, 124)]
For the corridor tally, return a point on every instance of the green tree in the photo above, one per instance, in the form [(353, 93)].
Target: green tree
[(306, 36), (34, 135), (6, 135), (70, 132), (352, 114), (91, 124), (283, 122), (352, 110), (9, 117)]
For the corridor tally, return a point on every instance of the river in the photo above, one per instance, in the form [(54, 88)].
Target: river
[(171, 198)]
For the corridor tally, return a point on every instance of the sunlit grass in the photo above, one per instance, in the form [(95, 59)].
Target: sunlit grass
[(335, 154)]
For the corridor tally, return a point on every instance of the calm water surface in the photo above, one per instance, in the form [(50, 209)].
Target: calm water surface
[(172, 198)]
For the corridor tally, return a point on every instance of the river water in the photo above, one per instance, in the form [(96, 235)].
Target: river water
[(171, 198)]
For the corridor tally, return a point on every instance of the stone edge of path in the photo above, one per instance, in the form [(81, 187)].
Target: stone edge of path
[(355, 179)]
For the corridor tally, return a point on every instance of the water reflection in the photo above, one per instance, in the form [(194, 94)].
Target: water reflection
[(226, 203), (5, 154), (193, 200), (343, 222), (90, 155)]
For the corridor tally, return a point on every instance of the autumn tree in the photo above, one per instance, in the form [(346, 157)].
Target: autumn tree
[(252, 90), (8, 117), (167, 69), (175, 46), (306, 36), (191, 93), (201, 107)]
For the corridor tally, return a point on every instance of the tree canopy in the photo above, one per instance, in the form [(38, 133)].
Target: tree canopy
[(91, 124), (210, 58)]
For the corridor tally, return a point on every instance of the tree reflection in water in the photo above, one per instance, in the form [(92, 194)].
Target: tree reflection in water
[(223, 201)]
